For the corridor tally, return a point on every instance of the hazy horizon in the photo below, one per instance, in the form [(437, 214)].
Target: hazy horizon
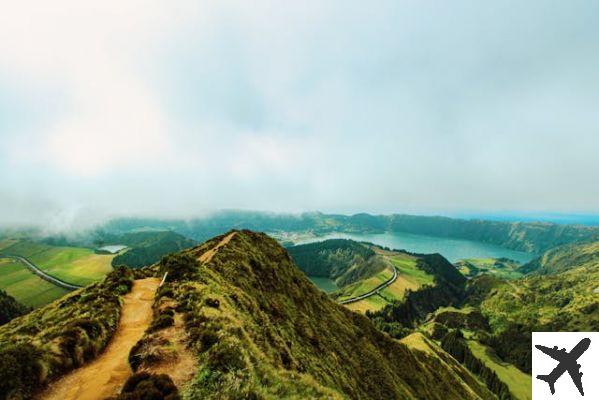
[(145, 108)]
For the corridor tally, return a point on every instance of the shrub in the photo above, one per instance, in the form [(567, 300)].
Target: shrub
[(225, 357), (149, 350), (145, 386), (208, 337), (19, 370), (162, 321), (179, 266), (165, 291), (438, 331), (210, 302)]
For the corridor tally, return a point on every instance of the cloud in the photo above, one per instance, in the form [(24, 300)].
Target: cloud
[(158, 108)]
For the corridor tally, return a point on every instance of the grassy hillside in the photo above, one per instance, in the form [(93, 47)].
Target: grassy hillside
[(564, 258), (77, 265), (343, 261), (519, 383), (560, 301), (252, 323), (10, 308), (26, 287), (358, 268), (146, 248), (564, 301), (261, 330), (500, 267), (411, 277), (47, 343)]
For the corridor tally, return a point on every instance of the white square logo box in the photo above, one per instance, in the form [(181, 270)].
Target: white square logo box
[(559, 359)]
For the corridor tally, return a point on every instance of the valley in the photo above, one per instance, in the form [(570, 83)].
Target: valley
[(70, 264), (26, 287), (74, 266), (266, 200), (244, 291), (474, 317)]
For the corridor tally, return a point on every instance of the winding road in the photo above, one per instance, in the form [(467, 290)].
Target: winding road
[(373, 291), (39, 272)]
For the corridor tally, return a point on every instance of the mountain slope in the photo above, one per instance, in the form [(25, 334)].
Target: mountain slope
[(252, 323), (50, 341), (558, 301), (563, 258), (10, 308), (277, 336)]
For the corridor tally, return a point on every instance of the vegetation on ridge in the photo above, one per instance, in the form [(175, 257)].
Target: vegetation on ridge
[(48, 342), (261, 330), (10, 308)]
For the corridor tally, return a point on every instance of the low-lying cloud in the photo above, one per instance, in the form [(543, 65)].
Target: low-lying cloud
[(157, 108)]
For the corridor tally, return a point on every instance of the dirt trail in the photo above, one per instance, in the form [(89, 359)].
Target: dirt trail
[(207, 256), (105, 376)]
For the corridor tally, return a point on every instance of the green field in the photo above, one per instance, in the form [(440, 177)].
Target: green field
[(26, 287), (365, 285), (406, 266), (409, 277), (75, 265), (519, 383), (80, 266), (501, 268), (372, 303)]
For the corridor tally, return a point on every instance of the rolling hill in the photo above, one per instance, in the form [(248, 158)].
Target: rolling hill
[(236, 319), (359, 268), (146, 248), (563, 258), (500, 267), (343, 261)]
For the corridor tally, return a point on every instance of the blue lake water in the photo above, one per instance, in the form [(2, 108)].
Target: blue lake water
[(452, 249)]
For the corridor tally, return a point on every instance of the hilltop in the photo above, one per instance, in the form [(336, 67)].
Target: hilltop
[(359, 269), (236, 319), (342, 260)]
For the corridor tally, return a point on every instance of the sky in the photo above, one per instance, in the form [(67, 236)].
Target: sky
[(155, 108)]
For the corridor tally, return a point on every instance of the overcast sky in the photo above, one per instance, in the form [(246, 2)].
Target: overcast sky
[(176, 108)]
